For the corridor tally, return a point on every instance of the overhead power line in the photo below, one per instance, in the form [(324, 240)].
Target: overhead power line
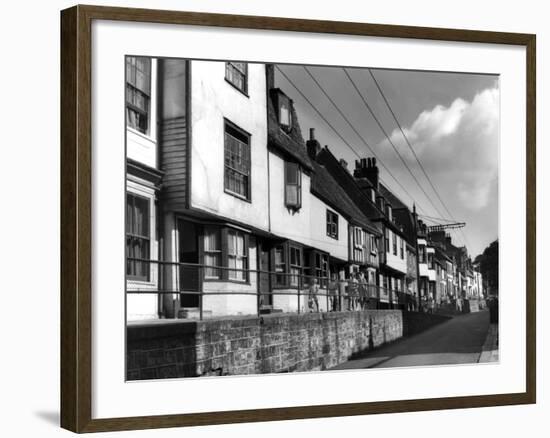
[(373, 115), (412, 149), (329, 124), (436, 218)]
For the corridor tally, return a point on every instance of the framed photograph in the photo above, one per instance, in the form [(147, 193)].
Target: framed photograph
[(267, 219)]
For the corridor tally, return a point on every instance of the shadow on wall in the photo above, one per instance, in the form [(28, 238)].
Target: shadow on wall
[(413, 323), (164, 349)]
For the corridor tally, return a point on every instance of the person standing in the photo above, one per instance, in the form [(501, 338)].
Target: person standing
[(313, 299), (333, 292)]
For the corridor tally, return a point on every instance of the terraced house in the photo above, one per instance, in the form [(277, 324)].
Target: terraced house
[(231, 211)]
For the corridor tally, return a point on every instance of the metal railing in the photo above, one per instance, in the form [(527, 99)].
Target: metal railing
[(187, 281)]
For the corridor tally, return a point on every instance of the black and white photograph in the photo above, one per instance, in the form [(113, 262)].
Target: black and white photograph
[(289, 218)]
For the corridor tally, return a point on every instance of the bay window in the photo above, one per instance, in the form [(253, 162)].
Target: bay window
[(321, 268), (237, 256), (225, 247), (212, 252), (293, 185), (288, 265), (295, 266), (332, 224), (279, 262), (138, 236), (359, 245)]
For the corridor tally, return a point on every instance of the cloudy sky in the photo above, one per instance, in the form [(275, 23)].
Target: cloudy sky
[(450, 119)]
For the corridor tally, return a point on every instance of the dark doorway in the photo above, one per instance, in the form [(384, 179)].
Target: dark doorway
[(264, 279), (189, 279)]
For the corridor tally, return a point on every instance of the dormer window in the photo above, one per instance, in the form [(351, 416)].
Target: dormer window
[(388, 211), (372, 195), (284, 110)]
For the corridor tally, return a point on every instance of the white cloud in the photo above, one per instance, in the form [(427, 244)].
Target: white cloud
[(458, 146)]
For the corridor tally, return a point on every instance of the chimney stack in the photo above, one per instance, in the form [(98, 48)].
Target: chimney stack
[(367, 168), (312, 145)]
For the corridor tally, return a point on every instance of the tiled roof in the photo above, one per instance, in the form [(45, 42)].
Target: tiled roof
[(352, 187), (391, 198), (325, 187), (291, 143)]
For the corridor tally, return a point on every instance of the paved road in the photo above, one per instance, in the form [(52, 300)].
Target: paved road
[(459, 340)]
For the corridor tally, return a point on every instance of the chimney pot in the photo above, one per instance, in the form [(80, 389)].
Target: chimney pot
[(367, 168), (312, 145)]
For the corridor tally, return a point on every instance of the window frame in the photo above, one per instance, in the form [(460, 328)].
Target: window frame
[(231, 65), (145, 93), (224, 275), (132, 276), (287, 247), (226, 167), (218, 252), (332, 219), (359, 245), (373, 244), (298, 185), (284, 99), (394, 243), (245, 270), (300, 266), (320, 271)]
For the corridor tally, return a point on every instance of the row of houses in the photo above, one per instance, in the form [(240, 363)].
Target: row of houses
[(231, 210)]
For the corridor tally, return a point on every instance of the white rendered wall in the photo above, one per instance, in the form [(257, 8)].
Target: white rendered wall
[(307, 225), (214, 99)]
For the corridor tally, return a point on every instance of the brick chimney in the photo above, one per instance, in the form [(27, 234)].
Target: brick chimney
[(312, 145), (367, 168)]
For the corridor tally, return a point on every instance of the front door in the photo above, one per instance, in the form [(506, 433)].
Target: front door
[(189, 279), (264, 283)]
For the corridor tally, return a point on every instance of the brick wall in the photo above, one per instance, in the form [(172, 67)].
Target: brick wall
[(270, 344)]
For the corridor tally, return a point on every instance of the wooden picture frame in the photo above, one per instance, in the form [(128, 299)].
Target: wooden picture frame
[(76, 218)]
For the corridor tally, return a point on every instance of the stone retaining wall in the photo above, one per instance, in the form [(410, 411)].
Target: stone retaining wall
[(267, 344)]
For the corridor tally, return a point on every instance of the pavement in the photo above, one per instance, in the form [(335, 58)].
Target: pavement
[(489, 351), (467, 338)]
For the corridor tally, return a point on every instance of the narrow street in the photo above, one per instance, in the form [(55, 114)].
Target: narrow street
[(459, 340)]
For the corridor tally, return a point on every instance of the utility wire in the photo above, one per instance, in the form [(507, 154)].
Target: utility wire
[(437, 218), (342, 138), (412, 149), (364, 100)]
